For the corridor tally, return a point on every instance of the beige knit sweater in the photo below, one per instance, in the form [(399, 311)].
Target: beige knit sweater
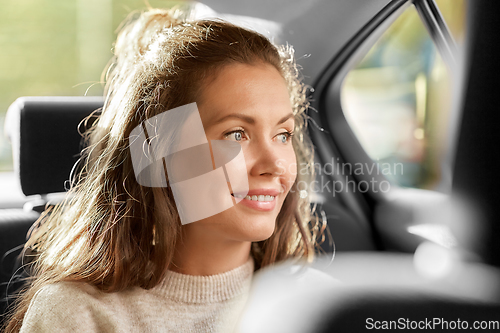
[(181, 303)]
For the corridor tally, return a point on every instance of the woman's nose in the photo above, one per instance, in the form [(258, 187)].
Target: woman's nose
[(264, 159)]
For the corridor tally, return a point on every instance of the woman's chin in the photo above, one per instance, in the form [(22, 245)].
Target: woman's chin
[(260, 230)]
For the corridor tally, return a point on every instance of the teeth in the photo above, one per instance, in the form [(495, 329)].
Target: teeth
[(260, 197), (269, 198)]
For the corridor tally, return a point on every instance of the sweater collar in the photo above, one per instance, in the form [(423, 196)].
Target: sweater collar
[(207, 289)]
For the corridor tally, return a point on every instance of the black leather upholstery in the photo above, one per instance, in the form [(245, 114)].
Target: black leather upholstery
[(45, 140), (46, 144), (14, 225)]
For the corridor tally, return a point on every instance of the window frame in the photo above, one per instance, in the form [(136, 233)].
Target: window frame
[(341, 141)]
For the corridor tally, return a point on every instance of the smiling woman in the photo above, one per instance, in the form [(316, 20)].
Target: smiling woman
[(116, 255), (263, 122)]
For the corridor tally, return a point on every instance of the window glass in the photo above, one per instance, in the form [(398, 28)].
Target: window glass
[(53, 47), (397, 101), (454, 14)]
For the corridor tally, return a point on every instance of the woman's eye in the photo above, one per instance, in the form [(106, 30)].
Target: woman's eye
[(285, 137), (235, 135)]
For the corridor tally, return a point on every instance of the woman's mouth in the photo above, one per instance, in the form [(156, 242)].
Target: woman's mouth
[(255, 197), (258, 202)]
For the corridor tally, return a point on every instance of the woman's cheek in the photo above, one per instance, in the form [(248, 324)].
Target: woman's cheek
[(291, 171)]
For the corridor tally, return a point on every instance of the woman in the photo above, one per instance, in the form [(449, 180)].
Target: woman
[(116, 256)]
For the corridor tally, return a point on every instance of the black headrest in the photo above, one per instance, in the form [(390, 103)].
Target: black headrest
[(45, 139)]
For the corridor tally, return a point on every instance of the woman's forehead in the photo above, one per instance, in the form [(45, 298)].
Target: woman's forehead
[(255, 91)]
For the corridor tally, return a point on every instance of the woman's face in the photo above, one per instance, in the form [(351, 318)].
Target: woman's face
[(250, 104)]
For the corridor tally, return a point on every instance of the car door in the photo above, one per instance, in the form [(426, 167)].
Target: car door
[(387, 107)]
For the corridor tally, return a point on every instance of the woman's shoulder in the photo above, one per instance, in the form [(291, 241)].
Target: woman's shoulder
[(63, 288), (67, 294), (63, 306)]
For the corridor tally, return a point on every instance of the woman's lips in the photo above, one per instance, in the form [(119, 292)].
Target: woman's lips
[(259, 199), (266, 205)]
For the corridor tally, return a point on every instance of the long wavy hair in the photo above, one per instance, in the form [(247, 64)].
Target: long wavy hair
[(111, 232)]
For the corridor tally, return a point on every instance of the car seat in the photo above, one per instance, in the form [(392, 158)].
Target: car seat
[(46, 144)]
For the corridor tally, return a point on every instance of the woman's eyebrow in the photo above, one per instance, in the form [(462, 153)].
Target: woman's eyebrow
[(249, 119), (285, 118)]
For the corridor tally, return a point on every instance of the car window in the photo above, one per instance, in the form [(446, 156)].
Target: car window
[(398, 100), (454, 15)]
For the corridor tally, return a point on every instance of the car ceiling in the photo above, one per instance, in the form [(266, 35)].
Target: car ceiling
[(317, 29)]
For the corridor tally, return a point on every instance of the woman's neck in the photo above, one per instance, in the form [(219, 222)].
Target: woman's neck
[(200, 251)]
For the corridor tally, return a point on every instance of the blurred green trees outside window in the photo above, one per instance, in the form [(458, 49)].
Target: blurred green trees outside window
[(56, 48), (398, 99)]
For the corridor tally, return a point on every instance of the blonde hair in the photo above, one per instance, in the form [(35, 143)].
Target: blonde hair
[(109, 232)]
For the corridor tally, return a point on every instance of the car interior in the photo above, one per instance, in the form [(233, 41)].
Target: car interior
[(421, 246)]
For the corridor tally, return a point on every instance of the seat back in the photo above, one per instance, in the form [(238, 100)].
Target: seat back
[(45, 140), (45, 144)]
